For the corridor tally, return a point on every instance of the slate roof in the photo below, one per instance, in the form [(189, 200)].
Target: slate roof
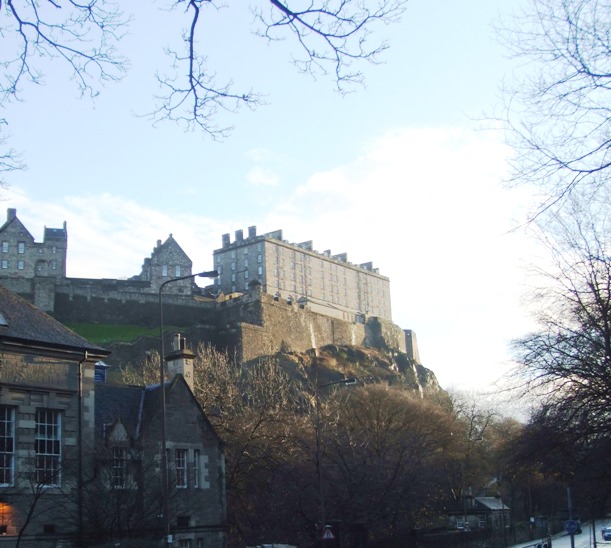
[(136, 406), (114, 401), (26, 324)]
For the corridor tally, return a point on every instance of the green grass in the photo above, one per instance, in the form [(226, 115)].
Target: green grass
[(99, 333)]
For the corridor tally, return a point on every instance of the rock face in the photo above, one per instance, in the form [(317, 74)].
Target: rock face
[(333, 362)]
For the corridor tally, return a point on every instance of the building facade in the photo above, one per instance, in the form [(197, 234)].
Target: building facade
[(167, 261), (79, 460), (22, 257), (46, 419), (296, 272)]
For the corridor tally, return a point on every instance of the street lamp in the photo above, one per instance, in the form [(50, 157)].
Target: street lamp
[(164, 455), (321, 494)]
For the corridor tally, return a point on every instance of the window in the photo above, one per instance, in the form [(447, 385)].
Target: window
[(7, 445), (20, 264), (4, 247), (246, 274), (54, 249), (481, 521), (48, 447), (246, 286), (246, 262), (233, 276), (196, 468), (4, 263), (183, 521), (184, 542), (119, 468), (180, 464), (164, 270), (177, 270), (20, 247), (53, 265), (259, 258), (260, 271)]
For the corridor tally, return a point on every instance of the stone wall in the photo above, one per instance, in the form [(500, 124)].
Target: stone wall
[(283, 326)]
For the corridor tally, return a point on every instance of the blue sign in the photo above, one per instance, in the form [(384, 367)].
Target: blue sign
[(571, 526)]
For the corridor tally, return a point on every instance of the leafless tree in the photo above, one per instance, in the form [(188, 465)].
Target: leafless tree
[(567, 362), (331, 37), (558, 111)]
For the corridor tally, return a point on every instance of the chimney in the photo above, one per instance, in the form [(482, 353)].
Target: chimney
[(180, 360), (239, 235), (11, 213), (252, 231), (226, 240)]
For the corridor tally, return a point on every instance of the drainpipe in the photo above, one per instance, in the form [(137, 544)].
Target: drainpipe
[(80, 450)]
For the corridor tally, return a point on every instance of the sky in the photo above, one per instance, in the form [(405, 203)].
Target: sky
[(400, 172)]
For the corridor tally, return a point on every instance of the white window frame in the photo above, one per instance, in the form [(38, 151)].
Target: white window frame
[(4, 247), (7, 445), (21, 248), (48, 447), (177, 271), (20, 264), (181, 460), (164, 270), (118, 474)]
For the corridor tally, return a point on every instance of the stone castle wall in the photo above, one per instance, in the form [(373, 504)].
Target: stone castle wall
[(282, 326)]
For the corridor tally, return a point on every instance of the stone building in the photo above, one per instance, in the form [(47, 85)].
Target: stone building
[(22, 257), (128, 433), (46, 376), (79, 457), (295, 272), (167, 261)]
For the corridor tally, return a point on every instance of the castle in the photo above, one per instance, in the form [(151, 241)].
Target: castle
[(270, 294)]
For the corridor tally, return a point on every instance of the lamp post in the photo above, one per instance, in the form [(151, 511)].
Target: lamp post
[(164, 455), (321, 494)]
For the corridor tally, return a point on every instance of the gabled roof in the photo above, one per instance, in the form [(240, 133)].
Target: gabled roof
[(118, 402), (491, 503), (26, 325), (13, 220), (136, 405), (152, 401), (170, 244)]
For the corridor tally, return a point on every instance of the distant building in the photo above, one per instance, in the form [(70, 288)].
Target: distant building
[(22, 257), (329, 284), (167, 261)]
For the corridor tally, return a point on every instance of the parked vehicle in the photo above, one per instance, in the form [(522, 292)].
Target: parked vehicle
[(606, 532)]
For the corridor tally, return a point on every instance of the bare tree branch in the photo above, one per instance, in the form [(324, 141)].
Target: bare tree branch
[(558, 114)]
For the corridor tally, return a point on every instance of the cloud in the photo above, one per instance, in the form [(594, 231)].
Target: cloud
[(427, 207), (260, 176)]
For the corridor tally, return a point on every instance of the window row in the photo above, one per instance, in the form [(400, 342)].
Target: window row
[(20, 247), (6, 264), (47, 447)]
